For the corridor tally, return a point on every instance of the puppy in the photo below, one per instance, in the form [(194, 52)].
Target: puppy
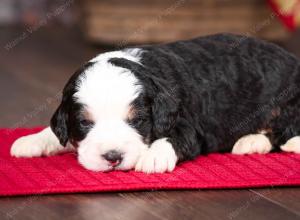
[(149, 107)]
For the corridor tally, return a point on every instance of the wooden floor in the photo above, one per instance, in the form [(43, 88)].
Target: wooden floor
[(34, 71)]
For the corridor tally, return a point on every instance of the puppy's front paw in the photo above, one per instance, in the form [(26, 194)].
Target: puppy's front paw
[(253, 143), (159, 158), (28, 146), (292, 145)]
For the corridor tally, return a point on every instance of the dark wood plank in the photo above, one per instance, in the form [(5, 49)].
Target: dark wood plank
[(34, 72), (208, 204), (288, 198), (104, 206)]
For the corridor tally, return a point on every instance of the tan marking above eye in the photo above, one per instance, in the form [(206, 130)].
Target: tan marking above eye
[(130, 113)]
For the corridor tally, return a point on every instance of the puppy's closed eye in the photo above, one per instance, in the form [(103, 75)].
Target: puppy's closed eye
[(85, 119), (86, 122)]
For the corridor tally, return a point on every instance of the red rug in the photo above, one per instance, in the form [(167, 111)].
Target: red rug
[(62, 174)]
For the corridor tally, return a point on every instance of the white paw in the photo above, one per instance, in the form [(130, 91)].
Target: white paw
[(28, 146), (159, 158), (253, 143), (292, 145), (35, 145)]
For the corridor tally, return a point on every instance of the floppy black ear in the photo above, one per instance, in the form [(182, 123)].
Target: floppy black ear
[(164, 104), (59, 123)]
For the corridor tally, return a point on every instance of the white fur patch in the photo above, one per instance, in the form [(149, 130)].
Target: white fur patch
[(159, 158), (107, 91), (292, 145), (44, 143), (124, 140), (253, 143)]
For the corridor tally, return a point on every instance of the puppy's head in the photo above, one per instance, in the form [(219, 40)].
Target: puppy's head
[(111, 110)]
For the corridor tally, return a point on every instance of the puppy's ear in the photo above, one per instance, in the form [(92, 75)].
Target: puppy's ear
[(163, 94), (59, 123)]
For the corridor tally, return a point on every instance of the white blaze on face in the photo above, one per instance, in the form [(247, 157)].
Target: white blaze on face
[(107, 92)]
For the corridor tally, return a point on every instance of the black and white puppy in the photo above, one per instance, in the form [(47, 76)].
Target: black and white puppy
[(150, 107)]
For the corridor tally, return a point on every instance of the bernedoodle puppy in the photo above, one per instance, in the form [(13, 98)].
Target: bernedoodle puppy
[(149, 107)]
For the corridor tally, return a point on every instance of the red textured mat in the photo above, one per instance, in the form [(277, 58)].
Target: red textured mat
[(62, 174)]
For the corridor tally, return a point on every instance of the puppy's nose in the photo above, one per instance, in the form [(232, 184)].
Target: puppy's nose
[(114, 157)]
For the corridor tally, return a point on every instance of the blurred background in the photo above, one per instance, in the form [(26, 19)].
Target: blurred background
[(42, 42)]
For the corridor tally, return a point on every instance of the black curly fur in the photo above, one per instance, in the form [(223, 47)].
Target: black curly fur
[(206, 93)]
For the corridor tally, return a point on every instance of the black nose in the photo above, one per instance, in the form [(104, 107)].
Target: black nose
[(114, 157)]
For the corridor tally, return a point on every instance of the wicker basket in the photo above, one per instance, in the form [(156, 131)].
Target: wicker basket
[(122, 22)]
